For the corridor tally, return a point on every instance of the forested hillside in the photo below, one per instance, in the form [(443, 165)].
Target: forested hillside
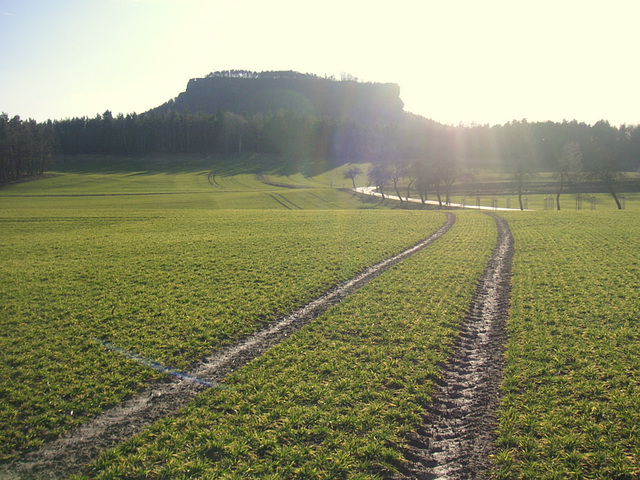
[(245, 92), (299, 116)]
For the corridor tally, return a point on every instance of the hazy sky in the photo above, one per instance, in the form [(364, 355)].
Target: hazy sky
[(482, 61)]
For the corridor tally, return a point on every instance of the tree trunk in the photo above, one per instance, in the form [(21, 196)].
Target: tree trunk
[(395, 185), (423, 192), (520, 197), (409, 188), (615, 197), (559, 191)]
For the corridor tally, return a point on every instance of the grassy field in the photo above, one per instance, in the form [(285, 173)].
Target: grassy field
[(160, 276), (571, 406), (173, 260), (337, 399)]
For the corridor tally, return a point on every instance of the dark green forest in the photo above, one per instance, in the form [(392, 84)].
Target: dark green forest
[(25, 147), (409, 140)]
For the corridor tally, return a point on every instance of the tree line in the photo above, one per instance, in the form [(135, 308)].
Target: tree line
[(25, 147), (519, 147), (272, 74), (275, 74), (431, 158), (283, 132), (538, 144)]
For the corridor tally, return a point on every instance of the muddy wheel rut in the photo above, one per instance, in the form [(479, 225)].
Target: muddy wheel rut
[(457, 436), (72, 452)]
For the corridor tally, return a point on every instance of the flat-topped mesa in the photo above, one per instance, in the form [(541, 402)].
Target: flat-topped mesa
[(249, 92)]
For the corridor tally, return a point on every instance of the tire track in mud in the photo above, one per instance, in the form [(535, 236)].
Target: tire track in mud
[(458, 434), (72, 452)]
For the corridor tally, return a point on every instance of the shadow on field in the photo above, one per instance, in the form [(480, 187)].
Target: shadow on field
[(222, 165)]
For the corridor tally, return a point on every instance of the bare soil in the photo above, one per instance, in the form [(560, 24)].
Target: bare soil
[(71, 453), (458, 433)]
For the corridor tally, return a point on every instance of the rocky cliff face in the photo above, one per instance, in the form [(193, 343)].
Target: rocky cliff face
[(304, 94)]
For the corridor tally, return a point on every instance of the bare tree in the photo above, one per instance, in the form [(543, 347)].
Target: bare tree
[(412, 172), (396, 173), (569, 168), (608, 173), (437, 180), (444, 173), (449, 176), (520, 176), (379, 176), (351, 174), (422, 170)]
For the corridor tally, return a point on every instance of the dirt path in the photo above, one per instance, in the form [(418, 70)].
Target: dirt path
[(373, 192), (69, 454), (458, 433)]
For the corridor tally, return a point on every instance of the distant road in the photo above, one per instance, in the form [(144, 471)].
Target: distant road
[(371, 191)]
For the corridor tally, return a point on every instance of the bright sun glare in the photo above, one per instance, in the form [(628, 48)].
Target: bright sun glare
[(463, 61)]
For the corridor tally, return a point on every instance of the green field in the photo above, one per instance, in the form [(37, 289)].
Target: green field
[(336, 399), (172, 260), (169, 284), (571, 406)]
